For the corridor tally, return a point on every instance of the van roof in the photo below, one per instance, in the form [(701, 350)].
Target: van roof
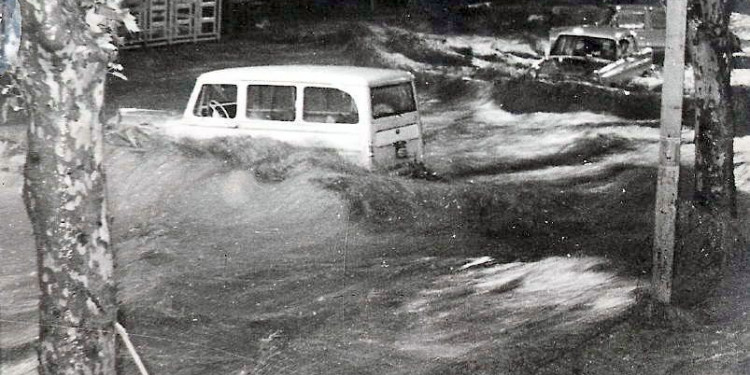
[(315, 74)]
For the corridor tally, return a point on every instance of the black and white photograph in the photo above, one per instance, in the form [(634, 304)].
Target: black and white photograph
[(374, 187)]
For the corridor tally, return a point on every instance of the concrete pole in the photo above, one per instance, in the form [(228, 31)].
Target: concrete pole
[(669, 152)]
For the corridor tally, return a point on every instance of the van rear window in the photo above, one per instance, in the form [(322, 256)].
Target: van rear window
[(392, 100)]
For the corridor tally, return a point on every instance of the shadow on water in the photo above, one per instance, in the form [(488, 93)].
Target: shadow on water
[(525, 96)]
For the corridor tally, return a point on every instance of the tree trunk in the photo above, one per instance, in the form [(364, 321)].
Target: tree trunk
[(710, 47), (62, 76), (711, 53)]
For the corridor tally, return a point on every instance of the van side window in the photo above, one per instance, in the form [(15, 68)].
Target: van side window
[(322, 104), (267, 102), (219, 101)]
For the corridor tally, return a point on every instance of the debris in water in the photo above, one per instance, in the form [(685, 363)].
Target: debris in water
[(476, 262)]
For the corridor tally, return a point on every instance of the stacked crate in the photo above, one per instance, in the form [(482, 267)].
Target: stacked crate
[(208, 17), (174, 21), (183, 20)]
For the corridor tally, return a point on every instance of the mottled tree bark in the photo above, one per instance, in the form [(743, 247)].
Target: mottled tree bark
[(710, 46), (62, 76)]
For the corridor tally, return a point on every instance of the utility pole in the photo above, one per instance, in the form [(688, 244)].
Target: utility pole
[(668, 178)]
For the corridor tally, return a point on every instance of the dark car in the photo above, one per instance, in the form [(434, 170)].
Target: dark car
[(603, 55)]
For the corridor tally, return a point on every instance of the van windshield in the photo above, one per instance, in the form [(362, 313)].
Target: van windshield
[(392, 100)]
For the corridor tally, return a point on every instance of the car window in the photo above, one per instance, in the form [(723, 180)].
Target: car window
[(576, 45), (625, 47), (219, 101), (392, 100), (324, 104), (270, 102)]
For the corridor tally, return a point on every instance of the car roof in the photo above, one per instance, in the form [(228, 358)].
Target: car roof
[(595, 31), (312, 74)]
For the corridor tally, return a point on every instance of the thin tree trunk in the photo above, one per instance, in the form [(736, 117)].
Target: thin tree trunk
[(63, 76), (711, 54)]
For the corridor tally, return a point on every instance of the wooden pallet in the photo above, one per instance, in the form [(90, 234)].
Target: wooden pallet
[(165, 22)]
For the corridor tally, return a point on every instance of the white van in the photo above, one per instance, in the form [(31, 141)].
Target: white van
[(365, 113)]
